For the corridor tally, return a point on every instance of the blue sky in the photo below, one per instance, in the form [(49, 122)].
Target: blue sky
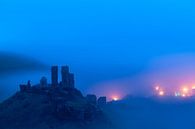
[(105, 38)]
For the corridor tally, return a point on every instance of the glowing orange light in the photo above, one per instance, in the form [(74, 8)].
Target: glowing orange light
[(185, 90), (115, 99), (157, 88), (193, 87), (161, 93)]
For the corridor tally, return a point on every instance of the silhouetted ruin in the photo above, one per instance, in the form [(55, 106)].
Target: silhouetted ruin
[(67, 77), (43, 82), (92, 99), (68, 102), (66, 82), (54, 76), (101, 101), (26, 87)]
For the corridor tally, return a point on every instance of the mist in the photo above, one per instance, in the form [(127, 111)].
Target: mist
[(147, 113), (12, 62), (16, 69), (121, 49), (171, 72)]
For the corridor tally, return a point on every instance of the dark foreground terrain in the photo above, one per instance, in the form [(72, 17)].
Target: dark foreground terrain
[(61, 109), (42, 111)]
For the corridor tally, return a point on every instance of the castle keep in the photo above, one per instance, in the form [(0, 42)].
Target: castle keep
[(67, 77), (66, 82)]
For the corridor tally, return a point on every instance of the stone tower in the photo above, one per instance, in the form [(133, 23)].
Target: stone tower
[(67, 77), (71, 80), (54, 76)]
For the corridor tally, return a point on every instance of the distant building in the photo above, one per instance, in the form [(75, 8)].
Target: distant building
[(43, 82), (54, 76), (102, 101), (92, 99)]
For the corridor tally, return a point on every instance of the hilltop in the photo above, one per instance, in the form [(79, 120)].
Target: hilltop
[(37, 111), (57, 105)]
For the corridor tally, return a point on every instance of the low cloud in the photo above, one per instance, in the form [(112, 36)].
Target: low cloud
[(13, 63)]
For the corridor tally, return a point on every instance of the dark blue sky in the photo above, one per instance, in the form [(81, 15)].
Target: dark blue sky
[(100, 39)]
